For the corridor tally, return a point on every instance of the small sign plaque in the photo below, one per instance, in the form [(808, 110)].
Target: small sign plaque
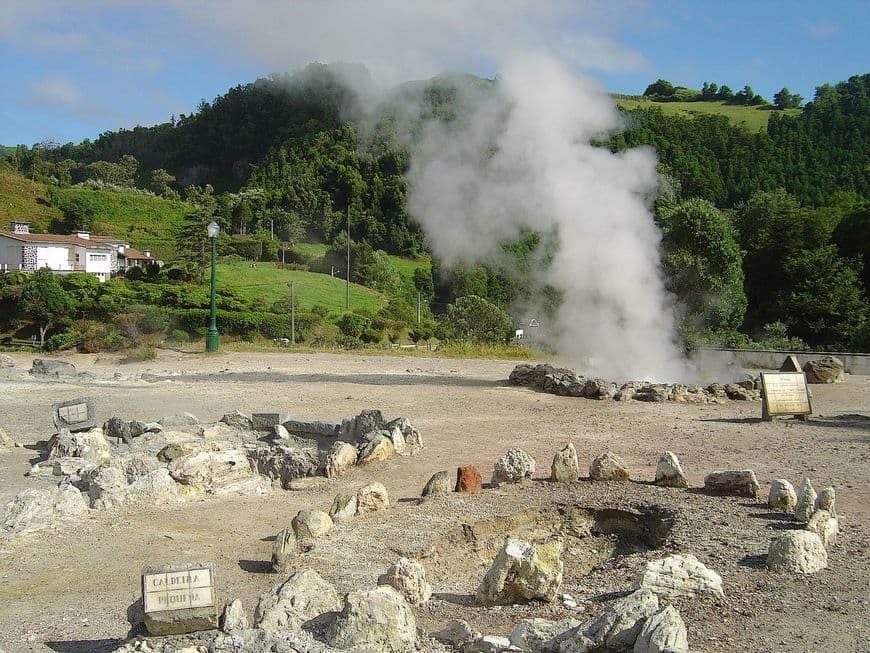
[(75, 414), (784, 393), (177, 589)]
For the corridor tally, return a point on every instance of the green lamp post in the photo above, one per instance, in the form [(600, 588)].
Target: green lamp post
[(212, 339)]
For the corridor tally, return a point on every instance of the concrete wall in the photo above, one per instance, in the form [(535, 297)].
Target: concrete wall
[(100, 264), (10, 254), (56, 257), (855, 363)]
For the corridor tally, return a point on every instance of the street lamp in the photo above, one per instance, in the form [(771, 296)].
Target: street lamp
[(212, 338)]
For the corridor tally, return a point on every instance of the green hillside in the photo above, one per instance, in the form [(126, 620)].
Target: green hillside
[(403, 265), (23, 199), (5, 151), (752, 118)]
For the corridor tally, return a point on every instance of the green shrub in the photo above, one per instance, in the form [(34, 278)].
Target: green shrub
[(145, 353), (474, 319), (372, 336), (353, 324), (135, 274), (179, 336), (350, 342), (58, 342)]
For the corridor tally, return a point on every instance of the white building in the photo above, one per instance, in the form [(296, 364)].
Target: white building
[(79, 252)]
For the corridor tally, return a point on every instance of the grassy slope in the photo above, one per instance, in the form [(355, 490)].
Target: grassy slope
[(270, 281), (22, 199), (753, 118), (404, 266)]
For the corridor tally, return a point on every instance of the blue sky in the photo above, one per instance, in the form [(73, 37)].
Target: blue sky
[(72, 69)]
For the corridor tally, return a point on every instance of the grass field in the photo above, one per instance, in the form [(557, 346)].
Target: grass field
[(268, 280), (753, 118), (404, 266), (22, 199)]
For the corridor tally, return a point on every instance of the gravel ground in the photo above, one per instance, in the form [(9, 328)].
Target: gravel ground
[(69, 589)]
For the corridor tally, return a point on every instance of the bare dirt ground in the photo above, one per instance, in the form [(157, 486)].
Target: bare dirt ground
[(69, 589)]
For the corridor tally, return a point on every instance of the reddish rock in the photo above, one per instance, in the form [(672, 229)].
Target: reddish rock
[(468, 479)]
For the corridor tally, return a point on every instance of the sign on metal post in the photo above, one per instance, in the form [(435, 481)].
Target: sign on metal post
[(784, 393)]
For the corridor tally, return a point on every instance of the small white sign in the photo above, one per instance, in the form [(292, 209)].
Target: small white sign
[(177, 589)]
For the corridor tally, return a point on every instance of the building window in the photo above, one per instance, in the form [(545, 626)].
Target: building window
[(99, 257)]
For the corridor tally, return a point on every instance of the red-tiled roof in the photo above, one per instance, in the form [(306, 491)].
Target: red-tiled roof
[(129, 252), (57, 239)]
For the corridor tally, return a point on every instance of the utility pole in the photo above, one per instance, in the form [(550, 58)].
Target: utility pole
[(347, 282), (418, 309), (272, 228), (292, 317)]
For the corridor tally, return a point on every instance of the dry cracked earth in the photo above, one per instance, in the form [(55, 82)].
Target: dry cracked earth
[(69, 588)]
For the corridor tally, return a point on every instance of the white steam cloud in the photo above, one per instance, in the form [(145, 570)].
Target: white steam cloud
[(520, 158)]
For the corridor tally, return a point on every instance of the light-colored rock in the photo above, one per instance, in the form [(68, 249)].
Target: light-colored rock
[(340, 458), (69, 466), (137, 465), (806, 502), (663, 631), (617, 627), (5, 441), (179, 622), (307, 483), (679, 575), (285, 551), (211, 470), (6, 361), (738, 482), (522, 572), (376, 449), (372, 498), (782, 497), (441, 484), (295, 602), (513, 467), (608, 467), (380, 619), (182, 423), (32, 510), (90, 445), (107, 488), (344, 506), (456, 634), (490, 644), (408, 577), (398, 439), (829, 369), (827, 500), (280, 433), (800, 552), (156, 488), (565, 467), (669, 472), (413, 439), (312, 524), (826, 526), (234, 617), (238, 420), (531, 634)]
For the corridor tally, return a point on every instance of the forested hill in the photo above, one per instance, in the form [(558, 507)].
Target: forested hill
[(287, 152)]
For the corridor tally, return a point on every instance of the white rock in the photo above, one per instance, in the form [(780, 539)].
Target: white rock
[(301, 598), (408, 577), (522, 572), (107, 488), (806, 502), (413, 439), (608, 467), (182, 423), (33, 510), (312, 524), (782, 497), (618, 626), (457, 633), (156, 488), (531, 634), (339, 459), (565, 467), (513, 467), (669, 472), (679, 575), (211, 470), (490, 644), (344, 506), (380, 619), (398, 440), (825, 525), (800, 552), (826, 500), (90, 445), (663, 631), (234, 617), (372, 498)]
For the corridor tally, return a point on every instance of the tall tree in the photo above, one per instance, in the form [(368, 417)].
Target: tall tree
[(44, 301)]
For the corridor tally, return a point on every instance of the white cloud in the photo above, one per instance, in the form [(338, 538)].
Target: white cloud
[(57, 90), (821, 30)]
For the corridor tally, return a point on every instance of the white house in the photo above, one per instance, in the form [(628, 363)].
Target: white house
[(79, 252)]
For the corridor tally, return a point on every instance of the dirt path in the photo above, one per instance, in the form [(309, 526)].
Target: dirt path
[(75, 583)]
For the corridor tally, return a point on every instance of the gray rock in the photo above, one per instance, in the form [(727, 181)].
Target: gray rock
[(284, 461), (806, 502), (340, 458), (408, 577), (75, 414), (312, 524), (90, 445), (513, 467), (829, 369), (679, 575), (456, 634), (6, 361), (599, 389), (565, 467), (669, 472), (138, 428), (738, 482), (212, 471), (323, 429), (608, 467), (532, 634), (356, 427), (107, 487), (179, 622), (284, 551), (800, 552), (522, 572), (182, 423), (380, 619), (441, 484), (413, 439), (267, 421), (33, 510), (344, 506), (296, 602), (238, 420), (826, 526), (827, 500), (234, 617), (620, 623), (69, 466), (663, 631), (117, 428), (375, 446), (47, 367), (782, 497)]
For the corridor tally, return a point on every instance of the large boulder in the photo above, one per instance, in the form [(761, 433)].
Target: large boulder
[(48, 367), (115, 427), (662, 632), (679, 575), (513, 467), (340, 458), (806, 502), (608, 467), (234, 618), (153, 489), (344, 506), (440, 484), (212, 471), (522, 572), (408, 577), (782, 497), (669, 472), (372, 498), (738, 482), (356, 427), (238, 420), (296, 602), (826, 526), (182, 423), (413, 439), (375, 446), (565, 467), (380, 619), (829, 369), (800, 552), (285, 461), (312, 524), (33, 510), (107, 487), (618, 626), (90, 445)]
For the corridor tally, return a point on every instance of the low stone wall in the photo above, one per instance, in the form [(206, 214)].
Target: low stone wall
[(855, 363)]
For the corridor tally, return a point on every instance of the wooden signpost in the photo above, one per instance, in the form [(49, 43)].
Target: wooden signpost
[(784, 393)]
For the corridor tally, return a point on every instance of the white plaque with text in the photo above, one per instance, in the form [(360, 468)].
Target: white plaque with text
[(784, 393), (177, 589)]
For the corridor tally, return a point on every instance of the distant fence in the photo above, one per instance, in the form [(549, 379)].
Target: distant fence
[(855, 363)]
